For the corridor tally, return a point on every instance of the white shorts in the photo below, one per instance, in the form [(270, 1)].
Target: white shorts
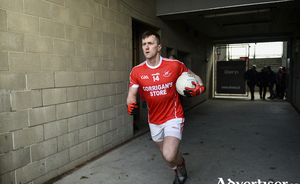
[(173, 127)]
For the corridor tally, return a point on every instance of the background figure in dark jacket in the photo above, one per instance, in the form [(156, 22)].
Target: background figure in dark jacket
[(282, 82), (263, 82), (251, 76), (278, 75), (272, 81)]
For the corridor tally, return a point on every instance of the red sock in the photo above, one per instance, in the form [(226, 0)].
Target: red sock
[(181, 164), (175, 169)]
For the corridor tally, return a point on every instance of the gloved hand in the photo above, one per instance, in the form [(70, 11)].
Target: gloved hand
[(132, 108), (192, 92)]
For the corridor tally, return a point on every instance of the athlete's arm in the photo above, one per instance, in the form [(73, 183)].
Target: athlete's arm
[(132, 94), (197, 77), (131, 101)]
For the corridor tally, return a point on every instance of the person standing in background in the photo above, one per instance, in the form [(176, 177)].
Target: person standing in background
[(272, 81), (251, 76), (263, 82)]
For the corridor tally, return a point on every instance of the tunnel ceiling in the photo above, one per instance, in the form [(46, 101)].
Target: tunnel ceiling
[(243, 24)]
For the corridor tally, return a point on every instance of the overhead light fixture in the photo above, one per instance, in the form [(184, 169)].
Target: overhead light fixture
[(236, 13)]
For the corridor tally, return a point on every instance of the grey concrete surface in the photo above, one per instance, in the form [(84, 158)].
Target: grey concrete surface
[(230, 140)]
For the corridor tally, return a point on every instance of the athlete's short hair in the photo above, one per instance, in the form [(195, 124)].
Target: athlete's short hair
[(149, 33)]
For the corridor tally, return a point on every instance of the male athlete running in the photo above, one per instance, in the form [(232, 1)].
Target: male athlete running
[(157, 78)]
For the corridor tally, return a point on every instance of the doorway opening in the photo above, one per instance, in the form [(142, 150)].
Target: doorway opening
[(260, 54)]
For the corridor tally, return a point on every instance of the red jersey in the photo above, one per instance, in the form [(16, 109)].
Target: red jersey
[(159, 88)]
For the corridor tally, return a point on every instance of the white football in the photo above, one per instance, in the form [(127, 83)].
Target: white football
[(185, 80)]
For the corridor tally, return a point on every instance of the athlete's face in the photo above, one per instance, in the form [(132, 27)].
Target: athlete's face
[(150, 47)]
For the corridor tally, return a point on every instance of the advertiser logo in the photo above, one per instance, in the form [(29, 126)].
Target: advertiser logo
[(144, 77), (158, 90), (258, 181)]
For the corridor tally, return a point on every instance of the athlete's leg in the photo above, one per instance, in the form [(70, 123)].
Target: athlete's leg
[(167, 137), (169, 149), (168, 141)]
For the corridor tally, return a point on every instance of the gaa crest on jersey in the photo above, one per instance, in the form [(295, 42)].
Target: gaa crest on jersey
[(155, 77), (167, 73)]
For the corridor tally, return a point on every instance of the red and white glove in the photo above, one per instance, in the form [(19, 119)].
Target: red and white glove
[(132, 108), (192, 92)]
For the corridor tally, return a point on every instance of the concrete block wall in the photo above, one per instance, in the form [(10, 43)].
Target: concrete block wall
[(64, 70)]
